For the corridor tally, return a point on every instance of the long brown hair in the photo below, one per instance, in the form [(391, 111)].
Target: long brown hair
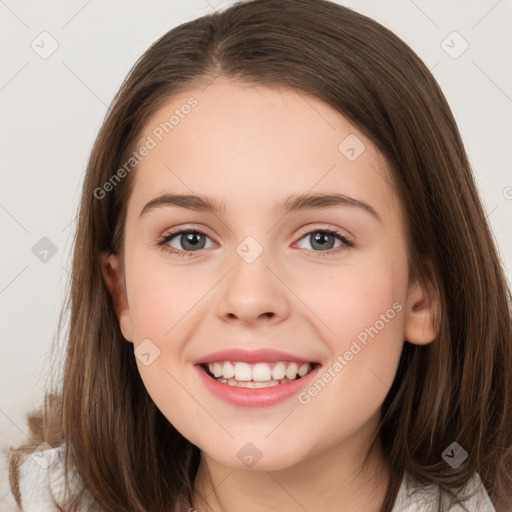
[(457, 388)]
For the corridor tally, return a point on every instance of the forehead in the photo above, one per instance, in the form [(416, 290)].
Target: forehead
[(229, 139)]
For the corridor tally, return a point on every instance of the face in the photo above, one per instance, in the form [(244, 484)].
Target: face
[(325, 284)]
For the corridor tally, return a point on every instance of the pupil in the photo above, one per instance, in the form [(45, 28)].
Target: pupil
[(192, 239), (320, 239)]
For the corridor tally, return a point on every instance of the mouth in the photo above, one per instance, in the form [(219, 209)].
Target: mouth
[(257, 375)]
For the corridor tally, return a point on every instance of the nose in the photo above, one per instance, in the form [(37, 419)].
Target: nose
[(252, 293)]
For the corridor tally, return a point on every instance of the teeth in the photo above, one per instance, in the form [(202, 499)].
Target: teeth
[(291, 371), (242, 372), (261, 372), (228, 370), (304, 369), (217, 369), (279, 371), (222, 369)]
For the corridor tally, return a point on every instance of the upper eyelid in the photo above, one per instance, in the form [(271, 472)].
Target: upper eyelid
[(180, 231), (302, 232)]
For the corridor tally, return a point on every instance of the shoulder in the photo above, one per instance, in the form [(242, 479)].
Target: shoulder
[(42, 475), (415, 497)]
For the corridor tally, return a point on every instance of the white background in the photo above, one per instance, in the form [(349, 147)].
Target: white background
[(52, 109)]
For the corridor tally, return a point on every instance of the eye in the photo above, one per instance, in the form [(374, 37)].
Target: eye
[(190, 240), (324, 240)]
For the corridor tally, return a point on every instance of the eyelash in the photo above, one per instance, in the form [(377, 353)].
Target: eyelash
[(348, 243)]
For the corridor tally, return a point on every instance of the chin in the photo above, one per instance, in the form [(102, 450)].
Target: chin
[(256, 456)]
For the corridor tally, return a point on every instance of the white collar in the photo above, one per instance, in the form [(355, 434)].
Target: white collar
[(38, 473), (415, 497)]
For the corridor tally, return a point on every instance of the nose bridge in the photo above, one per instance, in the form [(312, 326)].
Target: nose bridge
[(251, 289), (250, 276)]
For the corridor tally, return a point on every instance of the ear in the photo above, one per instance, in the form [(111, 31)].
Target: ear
[(421, 312), (113, 273)]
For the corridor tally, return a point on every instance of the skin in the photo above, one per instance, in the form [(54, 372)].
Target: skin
[(251, 147)]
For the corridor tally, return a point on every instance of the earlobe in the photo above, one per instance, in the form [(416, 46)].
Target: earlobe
[(421, 316), (111, 267)]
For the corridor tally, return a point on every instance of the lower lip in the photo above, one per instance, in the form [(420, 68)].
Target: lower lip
[(255, 397)]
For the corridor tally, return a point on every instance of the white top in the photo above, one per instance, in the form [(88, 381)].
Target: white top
[(45, 468), (415, 497)]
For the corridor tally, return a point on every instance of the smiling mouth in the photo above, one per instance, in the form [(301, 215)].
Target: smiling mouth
[(259, 375)]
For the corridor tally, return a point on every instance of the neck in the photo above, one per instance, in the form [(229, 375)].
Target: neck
[(334, 480)]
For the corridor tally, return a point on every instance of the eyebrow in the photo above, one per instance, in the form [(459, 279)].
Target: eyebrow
[(294, 202)]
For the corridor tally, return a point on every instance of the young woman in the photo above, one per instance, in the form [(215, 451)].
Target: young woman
[(285, 294)]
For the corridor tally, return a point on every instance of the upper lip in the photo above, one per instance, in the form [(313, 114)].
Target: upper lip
[(251, 356)]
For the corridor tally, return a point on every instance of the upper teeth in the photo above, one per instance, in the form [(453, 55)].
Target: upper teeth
[(259, 372)]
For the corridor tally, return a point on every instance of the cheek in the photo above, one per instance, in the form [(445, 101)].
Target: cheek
[(161, 295), (361, 310), (350, 297)]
